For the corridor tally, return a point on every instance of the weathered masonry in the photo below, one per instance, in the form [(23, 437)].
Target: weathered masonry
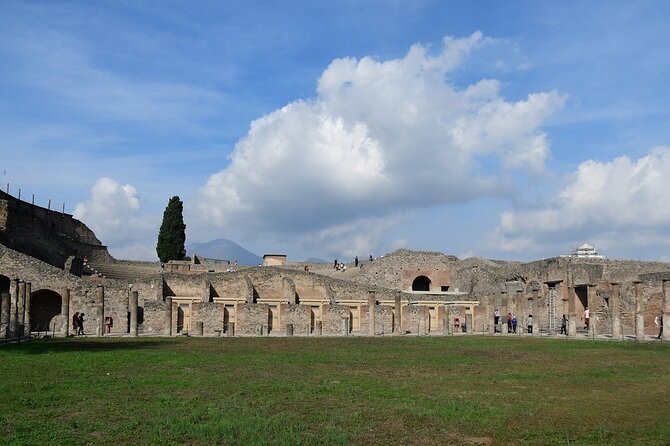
[(52, 267)]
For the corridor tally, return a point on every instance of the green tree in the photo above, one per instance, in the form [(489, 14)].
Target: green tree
[(172, 234)]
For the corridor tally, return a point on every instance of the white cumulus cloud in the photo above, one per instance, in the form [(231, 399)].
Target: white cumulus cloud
[(113, 212), (378, 138), (618, 205)]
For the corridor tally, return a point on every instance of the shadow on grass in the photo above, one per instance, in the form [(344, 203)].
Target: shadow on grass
[(50, 345)]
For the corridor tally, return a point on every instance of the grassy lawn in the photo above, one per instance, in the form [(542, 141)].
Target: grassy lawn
[(447, 390)]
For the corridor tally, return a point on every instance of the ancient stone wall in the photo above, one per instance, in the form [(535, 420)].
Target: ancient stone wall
[(250, 318), (298, 315), (332, 318)]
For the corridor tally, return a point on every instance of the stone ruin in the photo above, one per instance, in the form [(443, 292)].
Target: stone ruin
[(52, 265)]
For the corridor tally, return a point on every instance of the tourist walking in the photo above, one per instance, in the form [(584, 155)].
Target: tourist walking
[(509, 322), (530, 324), (81, 324), (659, 323), (356, 262), (514, 323), (564, 325), (75, 323), (496, 320), (586, 318)]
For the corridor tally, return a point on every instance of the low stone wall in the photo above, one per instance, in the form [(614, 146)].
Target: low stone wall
[(251, 318)]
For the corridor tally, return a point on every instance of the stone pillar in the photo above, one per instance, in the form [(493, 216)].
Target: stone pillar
[(397, 321), (536, 315), (5, 308), (572, 310), (666, 312), (14, 309), (447, 328), (489, 314), (231, 329), (639, 312), (29, 292), (21, 307), (504, 309), (132, 309), (372, 301), (318, 328), (289, 329), (615, 310), (65, 312), (167, 329), (100, 310), (593, 320), (345, 326)]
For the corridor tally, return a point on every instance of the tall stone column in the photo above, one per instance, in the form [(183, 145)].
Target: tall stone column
[(5, 307), (490, 309), (65, 312), (593, 319), (615, 309), (666, 312), (639, 312), (14, 309), (100, 310), (397, 322), (536, 314), (504, 309), (132, 308), (167, 329), (26, 310), (372, 301), (572, 310), (21, 307)]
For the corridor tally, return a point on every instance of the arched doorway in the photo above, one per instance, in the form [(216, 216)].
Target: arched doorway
[(421, 283), (4, 284), (45, 307)]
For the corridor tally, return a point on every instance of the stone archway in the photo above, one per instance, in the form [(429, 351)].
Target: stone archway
[(421, 283), (45, 309)]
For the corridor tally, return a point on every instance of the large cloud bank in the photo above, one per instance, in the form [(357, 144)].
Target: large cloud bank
[(620, 205), (113, 213), (379, 138)]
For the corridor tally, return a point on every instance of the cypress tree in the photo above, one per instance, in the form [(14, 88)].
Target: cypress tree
[(172, 234)]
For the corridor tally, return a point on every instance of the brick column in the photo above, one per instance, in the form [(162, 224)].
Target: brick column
[(666, 312), (372, 301), (5, 308), (132, 308), (65, 313), (615, 310), (167, 329), (572, 310), (26, 310), (397, 321), (639, 312), (536, 314), (21, 308), (100, 310), (13, 308)]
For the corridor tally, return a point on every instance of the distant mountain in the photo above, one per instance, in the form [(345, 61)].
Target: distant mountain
[(315, 260), (224, 249)]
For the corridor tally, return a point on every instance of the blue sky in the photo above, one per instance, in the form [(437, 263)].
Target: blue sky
[(514, 130)]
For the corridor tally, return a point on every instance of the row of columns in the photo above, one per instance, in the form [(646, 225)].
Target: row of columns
[(15, 310)]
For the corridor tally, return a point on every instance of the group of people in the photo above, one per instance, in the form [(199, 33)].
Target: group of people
[(512, 322), (342, 267), (78, 323)]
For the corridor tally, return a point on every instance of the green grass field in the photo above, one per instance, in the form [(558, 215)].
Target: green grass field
[(247, 391)]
